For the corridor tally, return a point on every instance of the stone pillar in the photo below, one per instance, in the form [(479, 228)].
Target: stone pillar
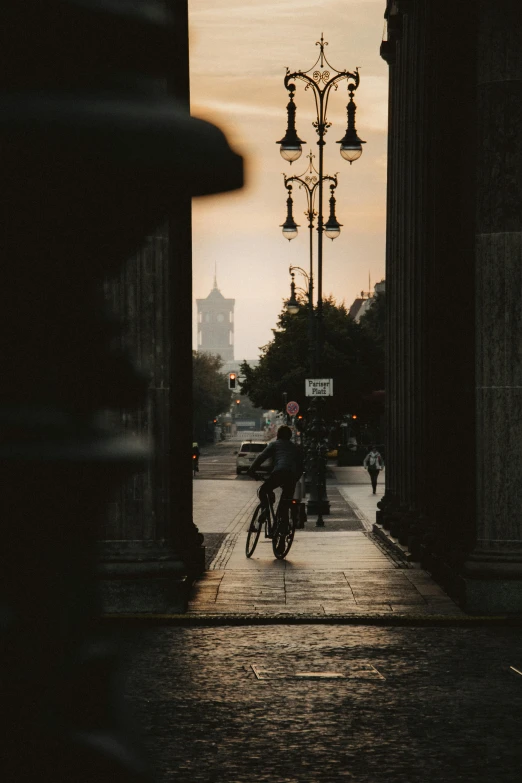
[(151, 549), (415, 261), (390, 498), (142, 568), (429, 488), (405, 262), (449, 297), (92, 154), (184, 534), (494, 569)]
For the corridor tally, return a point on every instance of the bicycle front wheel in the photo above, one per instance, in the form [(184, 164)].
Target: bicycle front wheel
[(283, 534), (254, 531)]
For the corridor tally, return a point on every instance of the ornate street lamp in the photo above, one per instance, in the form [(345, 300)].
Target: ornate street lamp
[(332, 228), (320, 79), (309, 183), (289, 226), (351, 144), (292, 305), (291, 144)]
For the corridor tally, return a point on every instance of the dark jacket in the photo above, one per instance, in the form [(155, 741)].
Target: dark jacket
[(285, 455)]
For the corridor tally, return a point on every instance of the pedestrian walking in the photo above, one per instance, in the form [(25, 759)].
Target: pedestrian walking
[(373, 463)]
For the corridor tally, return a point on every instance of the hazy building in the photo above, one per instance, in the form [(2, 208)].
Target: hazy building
[(235, 365), (216, 324), (362, 303)]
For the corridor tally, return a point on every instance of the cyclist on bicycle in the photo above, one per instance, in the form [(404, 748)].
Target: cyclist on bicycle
[(287, 465)]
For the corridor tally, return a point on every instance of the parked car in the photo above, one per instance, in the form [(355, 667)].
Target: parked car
[(247, 453)]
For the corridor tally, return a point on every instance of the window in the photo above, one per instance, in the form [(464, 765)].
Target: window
[(256, 447)]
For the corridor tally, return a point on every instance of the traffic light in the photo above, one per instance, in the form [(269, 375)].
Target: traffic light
[(237, 402), (232, 380)]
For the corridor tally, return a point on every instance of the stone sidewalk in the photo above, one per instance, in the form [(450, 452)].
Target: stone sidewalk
[(337, 570)]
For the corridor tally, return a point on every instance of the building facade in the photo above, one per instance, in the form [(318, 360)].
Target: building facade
[(454, 236), (362, 303), (216, 324)]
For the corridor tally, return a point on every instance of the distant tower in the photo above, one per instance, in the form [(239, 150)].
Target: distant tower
[(216, 324)]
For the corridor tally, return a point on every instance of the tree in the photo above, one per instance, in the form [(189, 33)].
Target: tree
[(210, 393), (351, 357)]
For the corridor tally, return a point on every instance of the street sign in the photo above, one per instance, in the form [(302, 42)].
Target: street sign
[(319, 387), (292, 408)]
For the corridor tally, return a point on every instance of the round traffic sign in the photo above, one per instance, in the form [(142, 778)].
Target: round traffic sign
[(292, 408)]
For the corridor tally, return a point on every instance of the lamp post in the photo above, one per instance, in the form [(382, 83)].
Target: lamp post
[(309, 181), (293, 306), (320, 79), (315, 453)]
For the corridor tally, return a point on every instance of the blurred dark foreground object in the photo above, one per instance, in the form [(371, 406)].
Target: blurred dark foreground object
[(93, 149)]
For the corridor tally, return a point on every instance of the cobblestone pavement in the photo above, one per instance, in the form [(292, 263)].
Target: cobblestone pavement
[(303, 704), (213, 543), (262, 682)]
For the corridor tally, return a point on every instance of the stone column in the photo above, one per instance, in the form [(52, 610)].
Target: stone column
[(141, 565), (415, 260), (494, 569), (405, 261), (183, 533), (91, 155), (151, 549), (389, 500), (449, 175)]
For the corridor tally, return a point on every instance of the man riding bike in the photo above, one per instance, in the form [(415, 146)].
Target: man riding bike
[(287, 465)]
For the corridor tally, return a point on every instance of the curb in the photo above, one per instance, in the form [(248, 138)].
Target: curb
[(202, 620), (401, 552)]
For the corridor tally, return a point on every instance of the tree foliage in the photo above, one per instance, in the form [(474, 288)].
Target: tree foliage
[(351, 356), (210, 393), (246, 409)]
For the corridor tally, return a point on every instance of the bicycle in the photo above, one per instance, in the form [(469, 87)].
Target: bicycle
[(195, 465), (279, 525)]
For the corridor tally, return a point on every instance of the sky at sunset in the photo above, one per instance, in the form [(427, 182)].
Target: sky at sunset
[(239, 54)]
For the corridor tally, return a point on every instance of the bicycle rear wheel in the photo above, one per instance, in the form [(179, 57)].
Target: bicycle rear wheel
[(284, 533), (254, 530)]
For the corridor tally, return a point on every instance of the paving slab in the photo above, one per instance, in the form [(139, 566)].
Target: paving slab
[(338, 569)]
